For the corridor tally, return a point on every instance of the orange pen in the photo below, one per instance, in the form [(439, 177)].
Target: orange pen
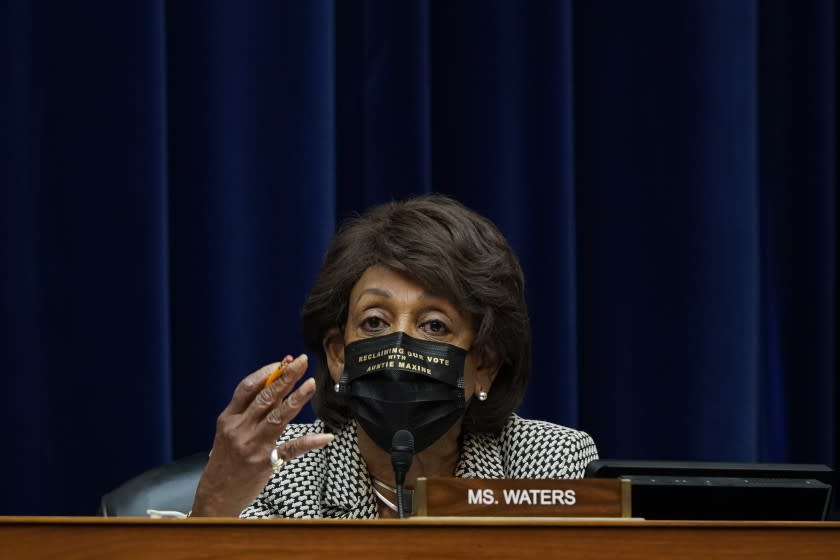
[(277, 372)]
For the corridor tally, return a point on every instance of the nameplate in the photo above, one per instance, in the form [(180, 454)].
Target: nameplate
[(443, 497)]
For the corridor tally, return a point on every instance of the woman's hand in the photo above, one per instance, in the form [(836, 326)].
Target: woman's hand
[(246, 432)]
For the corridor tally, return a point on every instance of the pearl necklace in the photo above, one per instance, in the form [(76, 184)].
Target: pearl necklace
[(408, 496)]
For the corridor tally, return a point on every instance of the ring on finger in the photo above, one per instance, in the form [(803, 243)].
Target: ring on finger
[(276, 460)]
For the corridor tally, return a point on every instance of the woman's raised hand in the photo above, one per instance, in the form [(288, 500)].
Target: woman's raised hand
[(246, 432)]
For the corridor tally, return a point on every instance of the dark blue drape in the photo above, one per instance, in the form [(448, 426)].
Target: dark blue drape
[(172, 172), (669, 226)]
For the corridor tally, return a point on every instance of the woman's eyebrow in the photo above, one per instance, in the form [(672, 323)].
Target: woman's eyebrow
[(374, 291)]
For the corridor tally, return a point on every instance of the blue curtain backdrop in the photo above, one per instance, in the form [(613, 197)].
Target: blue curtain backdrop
[(172, 172)]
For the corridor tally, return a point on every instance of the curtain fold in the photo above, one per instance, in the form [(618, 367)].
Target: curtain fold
[(502, 143), (798, 131), (85, 320), (252, 175), (667, 183), (172, 173)]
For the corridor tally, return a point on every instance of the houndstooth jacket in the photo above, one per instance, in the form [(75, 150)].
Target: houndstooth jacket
[(334, 482)]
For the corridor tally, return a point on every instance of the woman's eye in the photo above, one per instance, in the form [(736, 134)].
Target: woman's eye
[(373, 323), (435, 327)]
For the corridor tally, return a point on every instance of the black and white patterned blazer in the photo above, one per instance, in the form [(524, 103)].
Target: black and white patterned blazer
[(333, 481)]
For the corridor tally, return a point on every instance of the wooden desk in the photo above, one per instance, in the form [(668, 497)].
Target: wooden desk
[(71, 538)]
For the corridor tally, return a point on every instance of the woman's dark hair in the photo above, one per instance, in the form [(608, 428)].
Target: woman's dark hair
[(451, 251)]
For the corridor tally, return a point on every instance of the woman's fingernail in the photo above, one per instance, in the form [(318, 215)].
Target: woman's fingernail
[(300, 363), (309, 386)]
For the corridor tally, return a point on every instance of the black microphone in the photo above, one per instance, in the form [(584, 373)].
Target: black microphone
[(402, 453)]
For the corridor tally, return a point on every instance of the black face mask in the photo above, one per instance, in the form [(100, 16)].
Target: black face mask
[(396, 382)]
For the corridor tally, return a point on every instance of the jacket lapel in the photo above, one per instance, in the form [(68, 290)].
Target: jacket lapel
[(348, 494), (481, 457)]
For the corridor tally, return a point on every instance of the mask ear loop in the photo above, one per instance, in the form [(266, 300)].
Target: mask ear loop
[(341, 382), (343, 378)]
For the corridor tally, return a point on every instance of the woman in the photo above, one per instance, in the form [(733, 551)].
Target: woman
[(418, 321)]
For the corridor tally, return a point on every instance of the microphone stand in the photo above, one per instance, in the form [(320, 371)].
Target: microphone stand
[(402, 454)]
